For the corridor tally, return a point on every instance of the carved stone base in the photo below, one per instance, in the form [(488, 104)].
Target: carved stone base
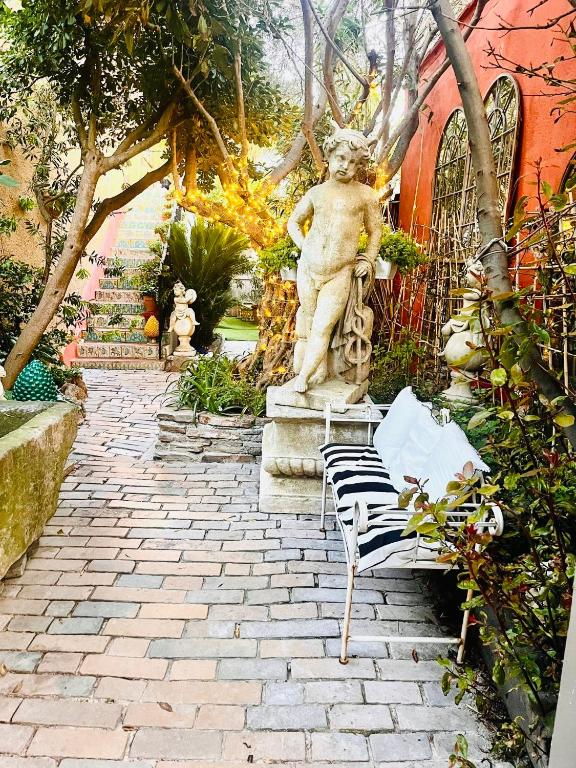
[(336, 391), (291, 473)]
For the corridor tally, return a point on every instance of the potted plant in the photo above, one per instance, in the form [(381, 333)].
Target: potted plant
[(281, 257), (398, 252), (146, 281)]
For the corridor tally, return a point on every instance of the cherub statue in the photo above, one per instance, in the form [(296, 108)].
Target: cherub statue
[(183, 320), (463, 334), (333, 278)]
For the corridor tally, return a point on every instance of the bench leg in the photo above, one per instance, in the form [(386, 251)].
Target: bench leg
[(464, 632), (323, 510), (347, 615)]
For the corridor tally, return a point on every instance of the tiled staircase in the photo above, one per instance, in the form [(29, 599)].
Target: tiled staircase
[(115, 330)]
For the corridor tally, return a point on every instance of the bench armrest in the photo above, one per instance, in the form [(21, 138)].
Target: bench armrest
[(362, 413)]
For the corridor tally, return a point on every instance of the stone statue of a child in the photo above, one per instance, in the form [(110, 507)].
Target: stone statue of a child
[(340, 209)]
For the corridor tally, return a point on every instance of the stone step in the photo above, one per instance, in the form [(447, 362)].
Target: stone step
[(98, 349), (128, 323), (107, 308), (133, 243), (107, 335), (115, 364), (126, 281), (131, 257), (112, 295)]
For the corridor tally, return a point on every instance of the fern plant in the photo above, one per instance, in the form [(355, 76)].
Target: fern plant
[(205, 257)]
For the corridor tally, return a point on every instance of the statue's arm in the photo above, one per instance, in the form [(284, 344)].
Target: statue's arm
[(373, 227), (303, 210)]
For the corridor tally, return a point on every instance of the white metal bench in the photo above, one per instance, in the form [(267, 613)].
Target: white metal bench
[(402, 439)]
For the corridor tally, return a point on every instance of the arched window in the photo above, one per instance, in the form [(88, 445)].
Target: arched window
[(454, 233)]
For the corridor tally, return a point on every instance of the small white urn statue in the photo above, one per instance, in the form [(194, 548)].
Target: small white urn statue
[(183, 320), (2, 374), (462, 335)]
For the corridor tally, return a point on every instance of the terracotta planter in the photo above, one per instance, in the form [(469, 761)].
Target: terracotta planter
[(150, 304)]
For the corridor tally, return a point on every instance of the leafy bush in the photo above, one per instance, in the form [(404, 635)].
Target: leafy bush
[(147, 278), (399, 248), (205, 257), (20, 290), (282, 254), (212, 384), (393, 368)]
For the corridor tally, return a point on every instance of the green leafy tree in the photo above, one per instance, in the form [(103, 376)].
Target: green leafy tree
[(111, 69)]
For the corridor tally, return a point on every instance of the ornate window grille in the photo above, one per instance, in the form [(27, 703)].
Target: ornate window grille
[(454, 233)]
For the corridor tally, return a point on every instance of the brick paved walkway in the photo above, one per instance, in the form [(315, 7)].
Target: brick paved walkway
[(164, 623)]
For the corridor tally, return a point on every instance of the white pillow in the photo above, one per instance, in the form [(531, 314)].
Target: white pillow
[(395, 426), (451, 453), (415, 451)]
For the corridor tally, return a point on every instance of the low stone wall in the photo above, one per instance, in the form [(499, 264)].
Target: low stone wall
[(35, 439), (208, 438)]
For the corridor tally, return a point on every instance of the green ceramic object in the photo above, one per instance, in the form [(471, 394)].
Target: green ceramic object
[(35, 383)]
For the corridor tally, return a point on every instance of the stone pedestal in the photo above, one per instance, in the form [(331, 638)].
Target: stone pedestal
[(291, 471), (338, 392)]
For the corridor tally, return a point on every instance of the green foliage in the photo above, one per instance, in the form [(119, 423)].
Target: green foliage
[(26, 203), (205, 257), (212, 384), (20, 290), (394, 367), (146, 279), (283, 254), (521, 582), (400, 248)]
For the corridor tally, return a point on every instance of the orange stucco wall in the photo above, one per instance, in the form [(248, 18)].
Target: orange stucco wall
[(540, 136)]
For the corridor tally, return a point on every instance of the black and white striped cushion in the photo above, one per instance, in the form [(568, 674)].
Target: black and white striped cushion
[(383, 544), (338, 454), (370, 484)]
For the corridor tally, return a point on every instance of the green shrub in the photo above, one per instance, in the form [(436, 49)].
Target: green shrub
[(393, 368), (212, 384), (399, 248), (282, 254), (20, 290), (205, 257)]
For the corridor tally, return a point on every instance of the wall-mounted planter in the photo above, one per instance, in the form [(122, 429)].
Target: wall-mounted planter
[(288, 273), (35, 439), (385, 270)]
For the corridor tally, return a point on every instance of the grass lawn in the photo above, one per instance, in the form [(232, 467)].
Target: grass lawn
[(234, 329)]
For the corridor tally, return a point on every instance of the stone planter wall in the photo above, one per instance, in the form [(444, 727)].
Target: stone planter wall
[(208, 438), (35, 439)]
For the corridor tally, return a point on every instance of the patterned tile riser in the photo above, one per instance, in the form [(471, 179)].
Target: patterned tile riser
[(99, 308), (117, 350), (106, 336), (112, 295), (129, 322)]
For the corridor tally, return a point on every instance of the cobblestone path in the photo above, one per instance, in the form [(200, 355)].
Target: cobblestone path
[(164, 623)]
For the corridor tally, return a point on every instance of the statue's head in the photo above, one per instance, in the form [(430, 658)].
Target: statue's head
[(347, 151), (179, 288)]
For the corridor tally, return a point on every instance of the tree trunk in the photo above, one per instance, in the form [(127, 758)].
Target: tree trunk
[(493, 249), (58, 282)]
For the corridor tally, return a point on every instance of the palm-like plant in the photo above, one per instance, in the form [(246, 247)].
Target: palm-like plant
[(206, 257)]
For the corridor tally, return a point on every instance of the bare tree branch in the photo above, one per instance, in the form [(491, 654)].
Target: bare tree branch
[(307, 122), (240, 106), (209, 119), (155, 135), (334, 17), (111, 204)]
